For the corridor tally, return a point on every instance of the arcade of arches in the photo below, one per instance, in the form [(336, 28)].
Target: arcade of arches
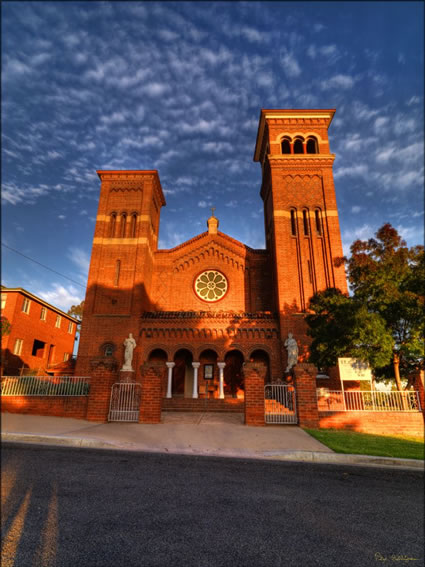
[(206, 376)]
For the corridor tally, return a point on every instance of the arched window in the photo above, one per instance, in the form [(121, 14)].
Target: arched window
[(305, 223), (123, 224), (298, 146), (133, 225), (112, 223), (293, 222), (318, 222), (286, 146), (107, 349), (312, 146), (117, 272)]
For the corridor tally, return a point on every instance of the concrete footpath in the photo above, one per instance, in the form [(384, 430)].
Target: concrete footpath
[(205, 434)]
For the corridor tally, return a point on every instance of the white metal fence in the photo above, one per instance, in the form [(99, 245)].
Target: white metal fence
[(336, 400), (45, 385), (279, 404), (125, 402)]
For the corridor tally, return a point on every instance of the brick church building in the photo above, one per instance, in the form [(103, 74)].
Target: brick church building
[(212, 303)]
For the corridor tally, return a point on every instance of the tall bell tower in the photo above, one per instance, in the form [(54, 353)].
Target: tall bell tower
[(300, 210)]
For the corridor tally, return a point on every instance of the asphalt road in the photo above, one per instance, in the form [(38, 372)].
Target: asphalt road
[(69, 507)]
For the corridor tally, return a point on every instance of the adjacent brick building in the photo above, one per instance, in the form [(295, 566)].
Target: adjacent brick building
[(213, 303), (41, 336)]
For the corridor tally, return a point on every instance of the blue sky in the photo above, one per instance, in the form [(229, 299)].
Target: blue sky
[(178, 87)]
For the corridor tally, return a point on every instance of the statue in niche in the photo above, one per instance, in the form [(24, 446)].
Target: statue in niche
[(130, 345), (292, 348)]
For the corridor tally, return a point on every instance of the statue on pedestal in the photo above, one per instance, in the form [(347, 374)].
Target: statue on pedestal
[(130, 345), (292, 348)]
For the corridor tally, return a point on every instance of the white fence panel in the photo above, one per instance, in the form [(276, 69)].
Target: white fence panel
[(45, 385), (336, 400)]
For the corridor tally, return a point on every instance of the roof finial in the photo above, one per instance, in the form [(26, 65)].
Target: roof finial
[(212, 211)]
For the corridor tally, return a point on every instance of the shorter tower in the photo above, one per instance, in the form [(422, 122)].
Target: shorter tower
[(121, 267)]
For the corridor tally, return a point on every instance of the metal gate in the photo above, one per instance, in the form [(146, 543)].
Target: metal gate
[(125, 402), (279, 404)]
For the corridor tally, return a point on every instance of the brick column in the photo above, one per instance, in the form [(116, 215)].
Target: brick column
[(151, 398), (103, 375), (305, 387), (254, 374)]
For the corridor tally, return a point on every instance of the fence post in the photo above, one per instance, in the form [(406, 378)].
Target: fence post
[(305, 385), (103, 375)]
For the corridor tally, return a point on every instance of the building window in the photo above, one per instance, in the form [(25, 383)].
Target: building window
[(286, 146), (133, 225), (117, 272), (312, 146), (18, 346), (298, 146), (108, 350), (305, 222), (112, 223), (65, 356), (58, 321), (293, 223), (318, 222), (43, 314), (38, 348), (3, 300), (26, 305), (123, 224), (70, 327)]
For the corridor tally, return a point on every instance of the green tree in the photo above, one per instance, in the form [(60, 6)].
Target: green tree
[(342, 326), (387, 280), (77, 312), (5, 326)]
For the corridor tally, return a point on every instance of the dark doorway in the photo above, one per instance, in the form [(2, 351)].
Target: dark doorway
[(233, 375), (183, 373), (262, 356)]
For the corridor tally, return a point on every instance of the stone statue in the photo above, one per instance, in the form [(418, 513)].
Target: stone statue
[(130, 345), (292, 348)]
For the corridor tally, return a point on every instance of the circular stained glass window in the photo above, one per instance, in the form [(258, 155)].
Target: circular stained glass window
[(211, 285)]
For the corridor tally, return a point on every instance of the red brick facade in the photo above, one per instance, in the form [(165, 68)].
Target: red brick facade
[(136, 288), (41, 336)]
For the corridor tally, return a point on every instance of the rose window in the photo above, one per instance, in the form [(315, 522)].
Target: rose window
[(211, 285)]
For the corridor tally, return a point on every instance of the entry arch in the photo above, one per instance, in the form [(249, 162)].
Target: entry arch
[(261, 355), (182, 384), (233, 374)]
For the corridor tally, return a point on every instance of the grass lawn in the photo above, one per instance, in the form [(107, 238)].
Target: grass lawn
[(366, 444)]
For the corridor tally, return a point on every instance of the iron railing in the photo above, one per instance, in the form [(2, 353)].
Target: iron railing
[(337, 400), (279, 404), (125, 402), (45, 385)]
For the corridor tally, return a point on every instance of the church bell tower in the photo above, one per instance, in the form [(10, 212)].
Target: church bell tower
[(300, 210)]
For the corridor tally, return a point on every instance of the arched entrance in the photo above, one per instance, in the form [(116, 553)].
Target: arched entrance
[(260, 355), (159, 355), (208, 359), (233, 375), (183, 374)]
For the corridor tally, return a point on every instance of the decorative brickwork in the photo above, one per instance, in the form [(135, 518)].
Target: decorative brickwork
[(305, 384), (254, 374), (151, 395)]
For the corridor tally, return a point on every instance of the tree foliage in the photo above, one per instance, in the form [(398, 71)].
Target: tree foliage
[(77, 311), (383, 319)]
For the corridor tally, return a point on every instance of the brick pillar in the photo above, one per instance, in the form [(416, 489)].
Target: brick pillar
[(151, 396), (305, 387), (103, 375), (254, 374)]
